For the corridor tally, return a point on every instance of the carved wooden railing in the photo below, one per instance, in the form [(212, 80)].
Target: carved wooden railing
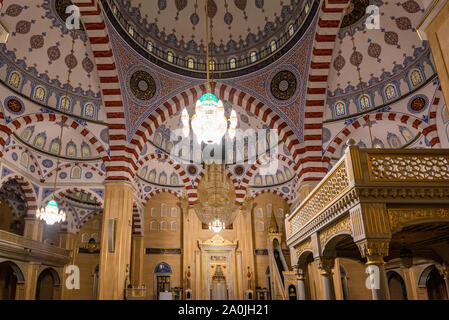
[(391, 175), (136, 293), (13, 246)]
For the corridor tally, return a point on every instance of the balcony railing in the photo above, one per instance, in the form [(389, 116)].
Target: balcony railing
[(393, 174)]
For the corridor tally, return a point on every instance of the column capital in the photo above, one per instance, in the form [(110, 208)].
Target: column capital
[(325, 264), (444, 271), (119, 182), (374, 249)]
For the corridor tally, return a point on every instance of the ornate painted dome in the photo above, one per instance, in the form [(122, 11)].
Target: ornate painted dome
[(242, 32)]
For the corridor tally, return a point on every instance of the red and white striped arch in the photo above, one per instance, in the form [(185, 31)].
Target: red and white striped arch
[(30, 156), (120, 166), (137, 220), (437, 100), (158, 191), (178, 168), (28, 190), (69, 165), (311, 165), (273, 191), (429, 131), (24, 121), (225, 93), (62, 192)]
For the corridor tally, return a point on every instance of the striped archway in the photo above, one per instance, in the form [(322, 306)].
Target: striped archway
[(31, 198), (120, 165), (430, 132), (311, 165)]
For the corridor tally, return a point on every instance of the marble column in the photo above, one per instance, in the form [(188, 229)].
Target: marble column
[(137, 261), (32, 273), (325, 265), (301, 287), (374, 250), (115, 256)]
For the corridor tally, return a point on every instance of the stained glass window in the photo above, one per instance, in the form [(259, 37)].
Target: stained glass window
[(273, 45), (232, 63), (54, 146), (170, 56), (253, 56), (14, 79), (24, 159), (364, 103), (65, 104), (291, 30), (85, 151), (190, 63), (39, 94), (40, 140), (340, 109), (415, 77), (390, 92), (89, 110), (70, 150), (211, 65)]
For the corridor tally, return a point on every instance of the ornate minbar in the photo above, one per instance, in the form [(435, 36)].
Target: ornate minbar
[(369, 194)]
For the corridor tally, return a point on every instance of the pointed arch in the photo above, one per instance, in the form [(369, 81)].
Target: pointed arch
[(31, 198)]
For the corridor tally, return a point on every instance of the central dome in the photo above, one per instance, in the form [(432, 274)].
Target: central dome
[(242, 32)]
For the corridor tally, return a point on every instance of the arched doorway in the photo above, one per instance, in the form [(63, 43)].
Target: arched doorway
[(46, 282), (292, 293), (397, 286), (10, 276), (13, 208), (436, 287), (162, 273)]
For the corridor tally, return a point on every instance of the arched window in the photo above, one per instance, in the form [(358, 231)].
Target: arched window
[(40, 140), (39, 93), (54, 146), (24, 159), (273, 45), (280, 176), (131, 30), (260, 226), (306, 8), (65, 104), (232, 63), (258, 180), (163, 210), (154, 212), (158, 139), (154, 225), (75, 172), (15, 79), (89, 110), (364, 103), (152, 176), (390, 92), (393, 141), (70, 150), (163, 178), (211, 65), (340, 109), (259, 213), (174, 180), (170, 56), (149, 46), (85, 151), (253, 56), (291, 30), (143, 172), (415, 77), (27, 133), (269, 180), (174, 225), (174, 212), (190, 63), (164, 225), (269, 209), (288, 172)]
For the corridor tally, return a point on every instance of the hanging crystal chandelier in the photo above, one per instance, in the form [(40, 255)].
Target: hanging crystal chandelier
[(216, 205), (51, 213), (209, 122), (217, 225)]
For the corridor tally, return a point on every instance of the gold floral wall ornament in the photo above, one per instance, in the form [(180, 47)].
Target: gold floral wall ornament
[(401, 217), (373, 248), (408, 167), (343, 225), (306, 245)]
